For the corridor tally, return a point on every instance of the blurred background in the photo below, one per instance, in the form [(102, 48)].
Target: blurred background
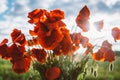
[(13, 14)]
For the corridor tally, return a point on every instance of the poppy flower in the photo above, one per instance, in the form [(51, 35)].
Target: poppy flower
[(57, 24), (99, 25), (82, 19), (98, 56), (105, 53), (56, 15), (74, 48), (89, 49), (109, 56), (18, 37), (116, 33), (84, 41), (16, 51), (65, 45), (106, 46), (4, 49), (37, 15), (49, 39), (35, 31), (52, 73), (21, 65), (39, 54), (32, 42), (75, 38)]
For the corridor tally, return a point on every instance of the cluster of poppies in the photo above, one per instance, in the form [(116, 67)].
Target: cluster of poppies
[(51, 33)]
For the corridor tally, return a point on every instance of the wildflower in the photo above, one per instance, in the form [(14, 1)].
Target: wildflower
[(37, 15), (105, 53), (76, 37), (33, 41), (4, 49), (65, 45), (56, 15), (99, 25), (21, 65), (16, 51), (116, 33), (52, 73), (84, 41), (89, 49), (18, 37), (49, 30), (39, 54), (49, 41), (82, 19)]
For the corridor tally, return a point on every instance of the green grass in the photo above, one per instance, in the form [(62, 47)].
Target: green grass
[(6, 73), (103, 72)]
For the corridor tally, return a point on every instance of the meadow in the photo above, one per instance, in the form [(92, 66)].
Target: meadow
[(103, 72)]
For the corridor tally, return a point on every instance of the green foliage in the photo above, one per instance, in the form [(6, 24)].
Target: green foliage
[(103, 72), (70, 70), (6, 72)]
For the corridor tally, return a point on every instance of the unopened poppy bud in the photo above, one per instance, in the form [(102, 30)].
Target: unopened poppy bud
[(95, 73), (91, 70), (111, 67)]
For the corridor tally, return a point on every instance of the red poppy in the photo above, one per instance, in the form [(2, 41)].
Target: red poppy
[(65, 45), (99, 25), (76, 38), (98, 56), (4, 50), (82, 19), (49, 39), (37, 15), (109, 56), (84, 41), (105, 53), (56, 15), (57, 24), (16, 51), (106, 46), (74, 48), (89, 49), (35, 31), (18, 37), (21, 65), (116, 33), (32, 42), (52, 73), (39, 54)]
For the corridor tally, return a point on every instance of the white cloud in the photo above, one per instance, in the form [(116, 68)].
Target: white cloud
[(22, 2), (110, 3), (3, 6), (93, 2)]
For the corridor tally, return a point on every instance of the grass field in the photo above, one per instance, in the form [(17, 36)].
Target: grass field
[(103, 72)]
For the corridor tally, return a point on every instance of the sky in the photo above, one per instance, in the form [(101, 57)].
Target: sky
[(13, 14)]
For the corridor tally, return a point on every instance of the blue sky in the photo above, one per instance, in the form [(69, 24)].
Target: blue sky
[(13, 14)]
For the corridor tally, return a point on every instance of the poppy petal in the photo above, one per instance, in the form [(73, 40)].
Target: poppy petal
[(52, 73), (116, 33), (82, 19), (22, 65), (99, 25), (39, 54)]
